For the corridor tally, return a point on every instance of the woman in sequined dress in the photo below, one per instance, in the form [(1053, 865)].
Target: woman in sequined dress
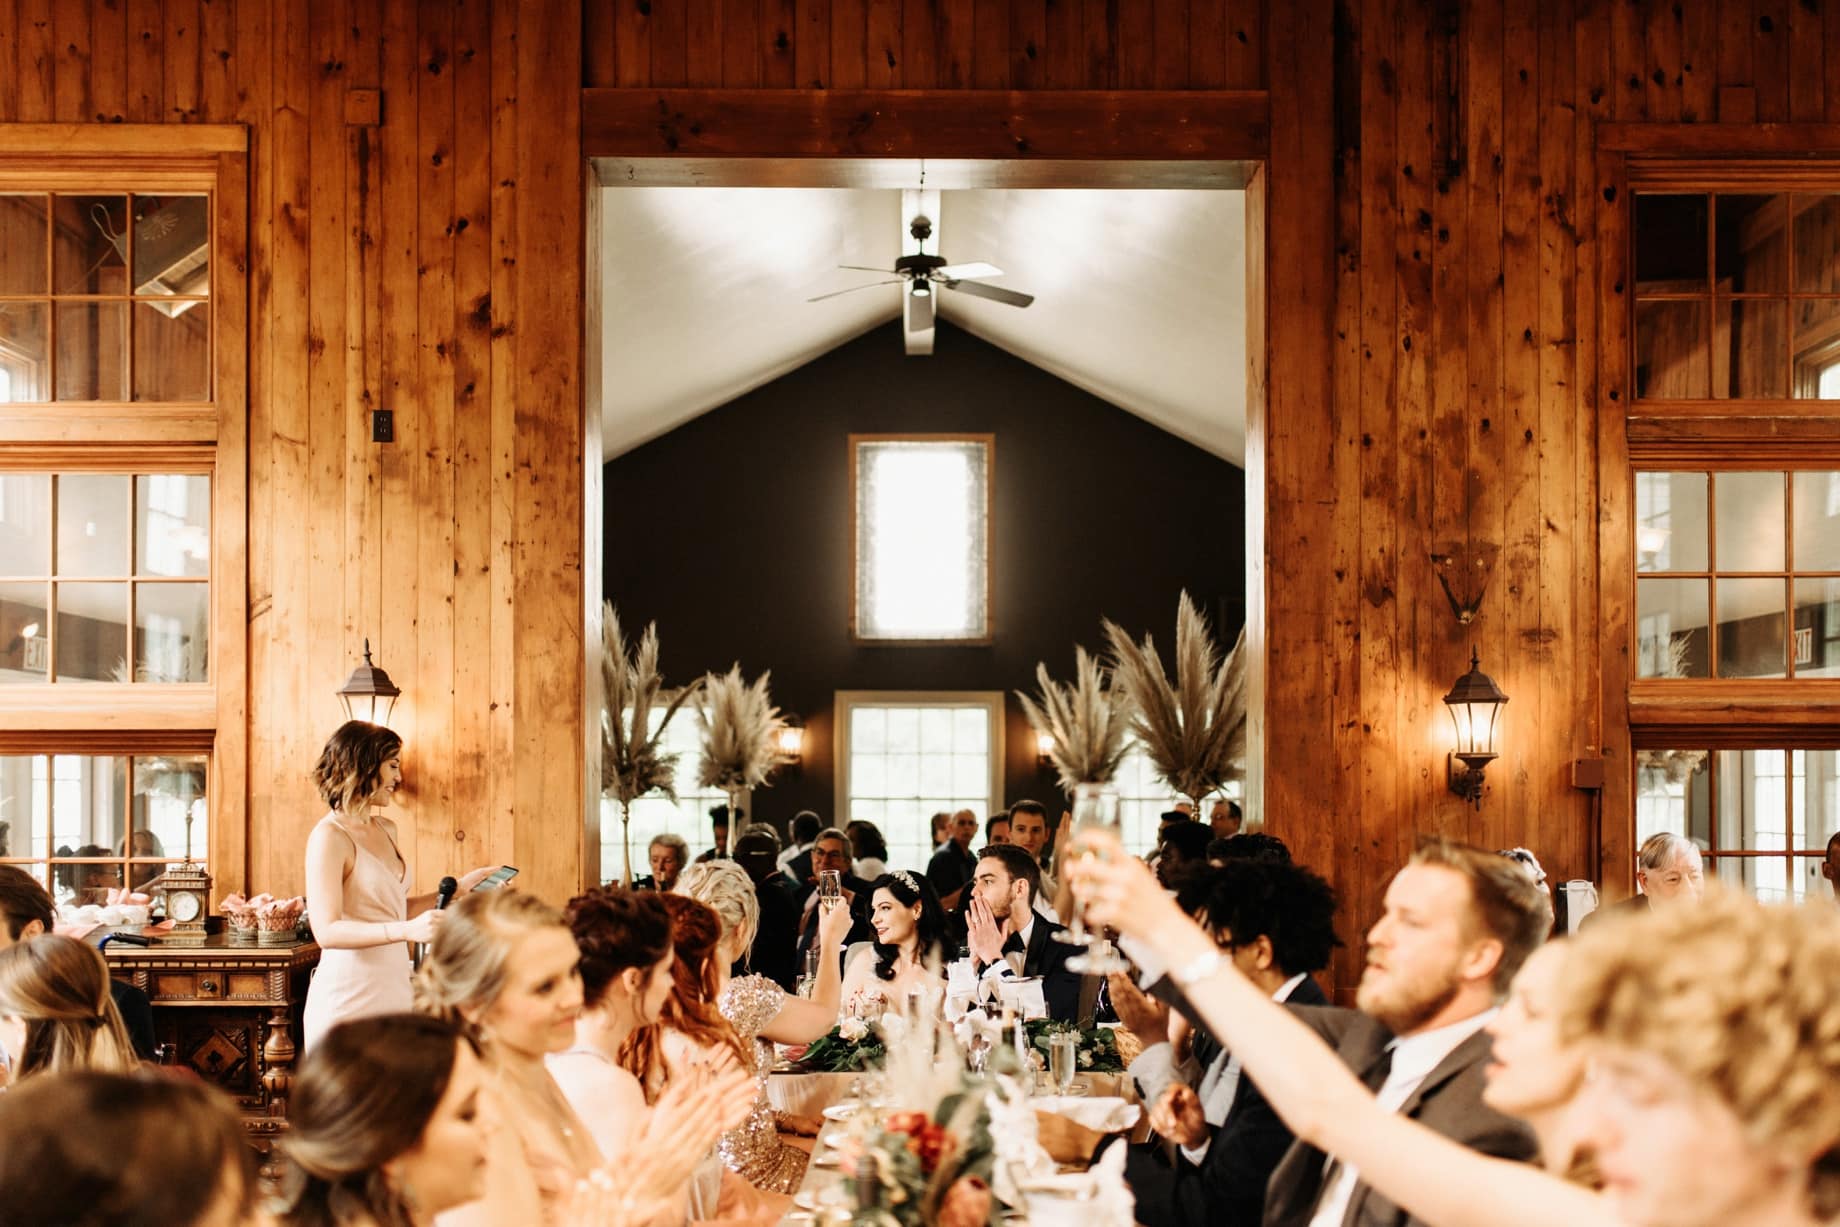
[(759, 1014)]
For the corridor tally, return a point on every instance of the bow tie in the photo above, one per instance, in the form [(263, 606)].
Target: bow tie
[(1013, 945)]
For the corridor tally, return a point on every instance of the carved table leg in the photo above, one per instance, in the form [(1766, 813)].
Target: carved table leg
[(278, 1061)]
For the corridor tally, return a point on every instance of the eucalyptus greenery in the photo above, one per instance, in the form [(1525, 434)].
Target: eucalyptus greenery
[(1194, 730), (1085, 722), (740, 735), (633, 761)]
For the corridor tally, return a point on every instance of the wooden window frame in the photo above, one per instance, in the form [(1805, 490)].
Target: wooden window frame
[(989, 443), (139, 437), (846, 701)]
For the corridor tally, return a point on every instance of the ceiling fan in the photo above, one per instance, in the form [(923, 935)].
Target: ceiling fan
[(923, 272)]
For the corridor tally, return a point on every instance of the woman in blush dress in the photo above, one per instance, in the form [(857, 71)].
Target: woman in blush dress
[(358, 897)]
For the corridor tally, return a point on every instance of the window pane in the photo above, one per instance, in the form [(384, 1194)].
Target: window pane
[(168, 789), (172, 530), (92, 537), (172, 245), (1817, 627), (1750, 521), (1751, 627), (869, 729), (1817, 520), (1752, 244), (903, 729), (92, 351), (1671, 522), (1673, 794), (25, 352), (1817, 244), (1671, 356), (24, 635), (1670, 242), (920, 540), (1815, 327), (172, 351), (25, 524), (925, 764), (24, 230), (971, 730), (1671, 628), (170, 622), (1750, 348), (91, 238), (89, 818), (92, 632)]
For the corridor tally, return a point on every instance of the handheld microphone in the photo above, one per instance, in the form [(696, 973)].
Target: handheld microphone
[(444, 893)]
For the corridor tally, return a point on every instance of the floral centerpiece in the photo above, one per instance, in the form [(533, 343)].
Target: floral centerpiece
[(1098, 1046), (850, 1047)]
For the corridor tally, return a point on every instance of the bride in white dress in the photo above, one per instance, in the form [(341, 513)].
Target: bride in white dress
[(908, 951)]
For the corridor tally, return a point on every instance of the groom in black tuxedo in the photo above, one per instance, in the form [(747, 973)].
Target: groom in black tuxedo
[(1001, 923)]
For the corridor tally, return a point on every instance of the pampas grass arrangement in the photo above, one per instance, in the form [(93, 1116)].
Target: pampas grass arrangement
[(1193, 731), (1085, 722), (633, 762), (740, 735)]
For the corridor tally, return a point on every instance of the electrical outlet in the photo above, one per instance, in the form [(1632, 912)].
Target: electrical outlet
[(383, 426)]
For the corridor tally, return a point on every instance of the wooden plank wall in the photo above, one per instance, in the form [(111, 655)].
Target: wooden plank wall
[(403, 264), (924, 44), (1474, 379)]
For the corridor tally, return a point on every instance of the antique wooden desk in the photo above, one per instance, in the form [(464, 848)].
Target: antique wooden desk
[(230, 1012)]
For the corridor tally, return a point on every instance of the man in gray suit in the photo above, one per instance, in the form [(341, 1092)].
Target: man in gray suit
[(1457, 924)]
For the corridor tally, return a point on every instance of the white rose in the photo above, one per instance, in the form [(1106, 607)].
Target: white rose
[(893, 1026), (852, 1029)]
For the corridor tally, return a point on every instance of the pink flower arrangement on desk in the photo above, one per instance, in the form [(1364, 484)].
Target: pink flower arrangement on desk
[(264, 913)]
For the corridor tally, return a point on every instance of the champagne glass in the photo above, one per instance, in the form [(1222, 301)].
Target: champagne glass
[(1095, 808), (1063, 1060), (830, 888)]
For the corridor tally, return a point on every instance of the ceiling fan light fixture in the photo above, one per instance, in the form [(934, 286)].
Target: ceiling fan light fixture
[(922, 288)]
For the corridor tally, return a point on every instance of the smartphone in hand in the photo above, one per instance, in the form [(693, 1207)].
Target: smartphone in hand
[(497, 878)]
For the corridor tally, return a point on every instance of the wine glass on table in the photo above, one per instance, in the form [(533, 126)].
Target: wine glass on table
[(1095, 808)]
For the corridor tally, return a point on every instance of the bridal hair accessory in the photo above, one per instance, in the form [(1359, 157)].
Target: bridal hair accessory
[(907, 879)]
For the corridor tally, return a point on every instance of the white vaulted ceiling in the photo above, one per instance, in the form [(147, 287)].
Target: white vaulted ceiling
[(1139, 295)]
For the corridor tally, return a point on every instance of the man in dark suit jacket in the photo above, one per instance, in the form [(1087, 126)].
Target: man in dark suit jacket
[(831, 850), (1001, 922), (1277, 921), (1457, 924), (774, 939)]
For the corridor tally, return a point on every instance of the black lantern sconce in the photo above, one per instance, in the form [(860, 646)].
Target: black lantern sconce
[(1475, 704), (367, 690)]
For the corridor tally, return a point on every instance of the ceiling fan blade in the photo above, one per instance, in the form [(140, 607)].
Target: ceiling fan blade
[(864, 268), (919, 312), (961, 272), (869, 286), (995, 293)]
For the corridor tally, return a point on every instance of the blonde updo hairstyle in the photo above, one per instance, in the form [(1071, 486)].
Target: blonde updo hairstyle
[(1738, 999), (726, 888), (59, 987), (470, 955)]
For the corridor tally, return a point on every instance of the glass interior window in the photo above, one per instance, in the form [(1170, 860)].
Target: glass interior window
[(906, 763)]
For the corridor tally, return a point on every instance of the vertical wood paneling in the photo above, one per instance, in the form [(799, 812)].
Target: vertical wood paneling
[(670, 46), (1245, 45), (182, 72), (779, 23), (1207, 44), (1169, 35), (703, 58), (146, 64), (71, 88), (1061, 58), (919, 44), (37, 62), (957, 43), (811, 44), (740, 38), (1807, 64), (1770, 52), (882, 45)]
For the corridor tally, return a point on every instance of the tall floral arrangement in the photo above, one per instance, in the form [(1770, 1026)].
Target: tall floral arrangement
[(633, 759), (1085, 722), (1194, 729), (740, 734)]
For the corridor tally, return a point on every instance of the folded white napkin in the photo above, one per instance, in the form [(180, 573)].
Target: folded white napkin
[(1102, 1113)]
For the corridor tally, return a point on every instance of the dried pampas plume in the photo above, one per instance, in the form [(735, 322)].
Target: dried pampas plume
[(633, 762), (1673, 766), (1085, 722), (1194, 731), (740, 733)]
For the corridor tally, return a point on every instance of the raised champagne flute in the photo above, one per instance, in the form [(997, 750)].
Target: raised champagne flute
[(1095, 808), (830, 888)]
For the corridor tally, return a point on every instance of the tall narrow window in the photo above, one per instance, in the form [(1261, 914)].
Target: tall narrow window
[(922, 538), (909, 756)]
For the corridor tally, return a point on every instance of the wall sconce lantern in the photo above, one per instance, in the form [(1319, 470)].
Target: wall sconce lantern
[(791, 742), (367, 690), (1475, 704), (1044, 751)]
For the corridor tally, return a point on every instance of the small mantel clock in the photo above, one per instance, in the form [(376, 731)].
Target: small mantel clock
[(187, 890)]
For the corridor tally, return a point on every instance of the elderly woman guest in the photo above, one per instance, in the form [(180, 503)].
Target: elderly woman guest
[(56, 1013), (90, 1147), (1714, 1050), (357, 884), (668, 854), (760, 1014)]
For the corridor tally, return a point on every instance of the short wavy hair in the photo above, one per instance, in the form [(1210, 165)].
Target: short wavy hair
[(1738, 999), (351, 764), (727, 890)]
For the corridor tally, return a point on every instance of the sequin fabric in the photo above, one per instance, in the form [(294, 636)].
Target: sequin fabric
[(752, 1149)]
